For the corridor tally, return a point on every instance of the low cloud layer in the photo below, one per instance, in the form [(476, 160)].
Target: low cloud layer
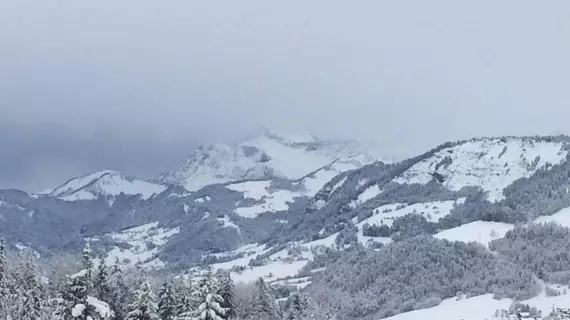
[(135, 85)]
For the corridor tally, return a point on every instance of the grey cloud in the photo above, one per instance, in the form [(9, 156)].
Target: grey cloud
[(122, 78)]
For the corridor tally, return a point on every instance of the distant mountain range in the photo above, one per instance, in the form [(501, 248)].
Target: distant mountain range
[(277, 205)]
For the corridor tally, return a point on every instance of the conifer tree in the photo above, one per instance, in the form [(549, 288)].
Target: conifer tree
[(4, 292), (87, 265), (183, 300), (30, 290), (263, 304), (143, 306), (79, 288), (227, 291), (3, 267), (119, 292), (299, 307), (101, 285), (208, 301), (167, 308)]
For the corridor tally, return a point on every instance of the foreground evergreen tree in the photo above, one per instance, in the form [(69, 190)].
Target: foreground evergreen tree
[(299, 307), (80, 286), (4, 291), (167, 308), (119, 292), (143, 306), (228, 294), (208, 300), (263, 304), (101, 284), (183, 299), (29, 289)]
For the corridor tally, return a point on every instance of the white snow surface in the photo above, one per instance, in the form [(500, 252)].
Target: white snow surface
[(482, 232), (77, 310), (105, 183), (481, 308), (269, 200), (562, 218), (100, 307), (290, 156), (366, 195), (489, 163)]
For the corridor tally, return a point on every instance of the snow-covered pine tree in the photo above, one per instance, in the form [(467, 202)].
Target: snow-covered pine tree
[(3, 279), (143, 306), (227, 291), (3, 265), (79, 288), (298, 307), (167, 308), (74, 297), (10, 300), (119, 292), (208, 300), (87, 265), (30, 290), (101, 286), (263, 304), (183, 298)]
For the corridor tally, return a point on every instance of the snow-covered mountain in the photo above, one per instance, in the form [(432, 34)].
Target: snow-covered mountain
[(291, 209), (491, 164), (269, 155), (488, 164), (105, 183)]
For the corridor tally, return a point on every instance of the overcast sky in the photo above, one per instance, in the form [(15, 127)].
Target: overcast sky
[(135, 85)]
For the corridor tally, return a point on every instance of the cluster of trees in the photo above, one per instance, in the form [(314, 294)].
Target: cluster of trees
[(414, 273), (540, 248), (99, 292)]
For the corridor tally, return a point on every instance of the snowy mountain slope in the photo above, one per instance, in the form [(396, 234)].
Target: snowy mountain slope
[(278, 194), (138, 245), (479, 170), (268, 155), (105, 183), (491, 164)]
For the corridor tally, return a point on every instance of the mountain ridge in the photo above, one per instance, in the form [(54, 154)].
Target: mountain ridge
[(263, 156)]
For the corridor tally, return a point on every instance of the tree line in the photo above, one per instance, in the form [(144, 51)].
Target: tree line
[(101, 292)]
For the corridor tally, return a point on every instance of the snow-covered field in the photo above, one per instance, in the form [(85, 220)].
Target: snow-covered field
[(562, 218), (481, 308), (478, 231), (491, 164)]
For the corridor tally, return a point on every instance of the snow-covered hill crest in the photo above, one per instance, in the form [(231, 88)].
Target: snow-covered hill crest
[(489, 163), (105, 183), (269, 155)]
